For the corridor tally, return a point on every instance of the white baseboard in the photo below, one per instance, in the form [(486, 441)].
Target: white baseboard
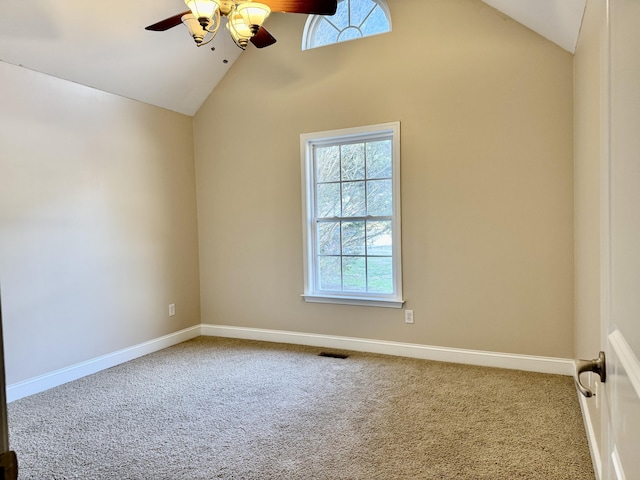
[(79, 370), (471, 357), (560, 366), (591, 436)]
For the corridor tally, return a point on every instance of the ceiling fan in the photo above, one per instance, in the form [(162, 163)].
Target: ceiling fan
[(244, 18)]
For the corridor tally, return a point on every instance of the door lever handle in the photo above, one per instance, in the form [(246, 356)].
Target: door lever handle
[(597, 365)]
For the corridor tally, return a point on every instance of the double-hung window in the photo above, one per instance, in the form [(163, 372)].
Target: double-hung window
[(351, 215)]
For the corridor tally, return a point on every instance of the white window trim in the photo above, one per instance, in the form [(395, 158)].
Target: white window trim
[(307, 142)]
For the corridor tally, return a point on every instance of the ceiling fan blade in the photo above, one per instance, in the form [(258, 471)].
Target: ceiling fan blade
[(263, 38), (167, 23), (312, 7)]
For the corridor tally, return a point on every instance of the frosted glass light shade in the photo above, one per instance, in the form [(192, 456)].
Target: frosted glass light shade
[(239, 30), (202, 8), (253, 13), (195, 29)]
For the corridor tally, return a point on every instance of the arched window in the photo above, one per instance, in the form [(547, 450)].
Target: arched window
[(353, 19)]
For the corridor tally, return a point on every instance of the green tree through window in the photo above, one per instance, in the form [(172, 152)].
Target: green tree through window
[(352, 217)]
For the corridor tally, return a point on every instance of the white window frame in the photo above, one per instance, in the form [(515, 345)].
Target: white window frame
[(314, 21), (307, 143)]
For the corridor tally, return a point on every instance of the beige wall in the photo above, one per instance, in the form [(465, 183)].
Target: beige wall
[(97, 205), (588, 130), (97, 222), (487, 195)]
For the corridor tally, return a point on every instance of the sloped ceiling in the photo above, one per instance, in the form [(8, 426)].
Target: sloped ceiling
[(556, 20), (104, 45)]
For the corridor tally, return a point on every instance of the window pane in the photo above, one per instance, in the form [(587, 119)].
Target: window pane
[(329, 273), (353, 199), (379, 159), (353, 242), (380, 274), (328, 201), (354, 274), (359, 11), (379, 197), (376, 23), (341, 18), (329, 238), (350, 33), (353, 19), (351, 249), (325, 34), (352, 161), (328, 164), (379, 239)]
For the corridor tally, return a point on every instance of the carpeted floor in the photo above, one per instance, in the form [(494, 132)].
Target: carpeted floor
[(215, 408)]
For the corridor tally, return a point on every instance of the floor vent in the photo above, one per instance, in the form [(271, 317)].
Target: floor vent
[(332, 355)]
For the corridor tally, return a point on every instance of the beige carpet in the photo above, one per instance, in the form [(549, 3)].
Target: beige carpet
[(215, 408)]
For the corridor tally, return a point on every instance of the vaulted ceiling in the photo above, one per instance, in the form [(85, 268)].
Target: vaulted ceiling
[(104, 45)]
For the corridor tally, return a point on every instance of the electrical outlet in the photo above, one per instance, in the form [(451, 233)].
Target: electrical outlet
[(408, 316), (172, 309)]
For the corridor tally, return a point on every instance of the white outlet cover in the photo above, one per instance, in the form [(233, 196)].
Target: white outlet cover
[(408, 316)]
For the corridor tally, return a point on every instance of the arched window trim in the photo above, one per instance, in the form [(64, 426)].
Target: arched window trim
[(314, 21)]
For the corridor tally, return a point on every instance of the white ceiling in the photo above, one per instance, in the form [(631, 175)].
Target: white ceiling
[(104, 44), (556, 20)]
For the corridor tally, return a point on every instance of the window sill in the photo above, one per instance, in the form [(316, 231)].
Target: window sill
[(361, 301)]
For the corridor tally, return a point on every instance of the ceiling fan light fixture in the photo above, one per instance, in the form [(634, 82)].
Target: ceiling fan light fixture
[(203, 10), (195, 29), (239, 30), (254, 14), (244, 18)]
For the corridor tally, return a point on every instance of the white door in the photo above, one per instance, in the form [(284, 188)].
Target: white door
[(621, 282)]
